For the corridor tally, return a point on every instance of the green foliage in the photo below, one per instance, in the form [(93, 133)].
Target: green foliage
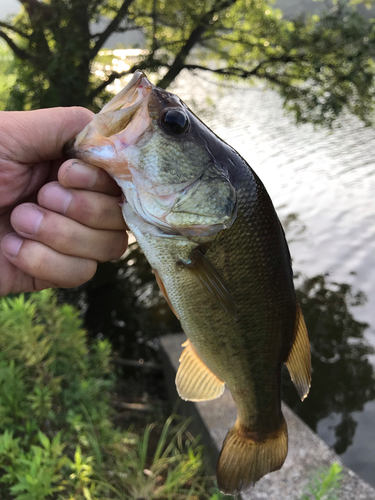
[(47, 372), (49, 382), (7, 71), (325, 485), (321, 66), (336, 68), (171, 472), (56, 438)]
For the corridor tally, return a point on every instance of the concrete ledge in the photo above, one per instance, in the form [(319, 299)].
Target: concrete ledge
[(307, 455)]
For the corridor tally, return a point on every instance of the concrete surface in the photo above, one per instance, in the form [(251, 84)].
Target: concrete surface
[(307, 455)]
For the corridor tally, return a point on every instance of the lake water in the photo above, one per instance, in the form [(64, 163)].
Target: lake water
[(322, 183)]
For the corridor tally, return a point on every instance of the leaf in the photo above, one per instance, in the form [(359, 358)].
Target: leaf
[(86, 493), (44, 440)]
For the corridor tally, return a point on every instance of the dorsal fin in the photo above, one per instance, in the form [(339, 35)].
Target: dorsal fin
[(164, 291), (299, 359), (210, 279), (194, 380)]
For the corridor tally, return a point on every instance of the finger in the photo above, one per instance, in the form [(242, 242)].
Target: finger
[(95, 210), (43, 132), (76, 174), (67, 236), (42, 285), (45, 264)]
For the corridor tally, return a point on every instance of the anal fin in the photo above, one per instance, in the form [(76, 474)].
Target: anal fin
[(299, 359), (194, 380)]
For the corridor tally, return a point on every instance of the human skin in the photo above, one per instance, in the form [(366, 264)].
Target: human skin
[(58, 218)]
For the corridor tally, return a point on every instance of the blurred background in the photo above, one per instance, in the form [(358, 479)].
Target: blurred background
[(291, 87)]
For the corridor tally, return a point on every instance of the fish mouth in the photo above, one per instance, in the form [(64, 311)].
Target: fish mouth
[(117, 126)]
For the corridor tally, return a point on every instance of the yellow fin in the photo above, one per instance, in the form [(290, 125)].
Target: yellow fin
[(194, 381), (164, 291), (210, 279), (299, 359), (246, 457)]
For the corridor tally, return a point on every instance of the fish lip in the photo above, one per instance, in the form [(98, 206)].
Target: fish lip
[(130, 99), (139, 80)]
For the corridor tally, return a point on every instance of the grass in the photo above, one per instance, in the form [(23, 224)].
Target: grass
[(326, 485)]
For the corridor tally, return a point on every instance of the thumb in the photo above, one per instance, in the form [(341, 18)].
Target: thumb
[(40, 135)]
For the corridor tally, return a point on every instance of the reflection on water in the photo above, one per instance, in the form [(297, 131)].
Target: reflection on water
[(343, 378)]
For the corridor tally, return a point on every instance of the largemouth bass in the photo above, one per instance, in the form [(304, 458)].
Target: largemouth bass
[(210, 232)]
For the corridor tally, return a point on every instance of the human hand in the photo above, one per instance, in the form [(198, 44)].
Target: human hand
[(52, 233)]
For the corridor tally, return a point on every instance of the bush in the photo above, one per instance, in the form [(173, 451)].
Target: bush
[(56, 438)]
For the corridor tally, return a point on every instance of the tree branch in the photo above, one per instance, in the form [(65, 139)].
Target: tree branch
[(154, 43), (39, 13), (14, 29), (112, 26), (18, 52), (243, 73), (204, 23), (223, 38), (229, 71)]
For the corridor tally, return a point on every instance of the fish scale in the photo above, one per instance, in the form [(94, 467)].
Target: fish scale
[(221, 260)]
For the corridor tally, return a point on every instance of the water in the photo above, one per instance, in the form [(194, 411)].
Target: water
[(323, 186)]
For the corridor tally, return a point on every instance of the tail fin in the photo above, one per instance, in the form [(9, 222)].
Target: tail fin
[(245, 458)]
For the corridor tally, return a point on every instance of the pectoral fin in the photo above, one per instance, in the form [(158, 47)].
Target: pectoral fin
[(299, 359), (210, 279), (194, 381), (164, 291)]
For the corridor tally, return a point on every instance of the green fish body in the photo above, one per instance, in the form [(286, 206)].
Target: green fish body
[(209, 230)]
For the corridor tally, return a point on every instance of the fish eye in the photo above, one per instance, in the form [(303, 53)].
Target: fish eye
[(175, 121)]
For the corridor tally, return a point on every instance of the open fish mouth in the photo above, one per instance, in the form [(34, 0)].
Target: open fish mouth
[(145, 139), (118, 125)]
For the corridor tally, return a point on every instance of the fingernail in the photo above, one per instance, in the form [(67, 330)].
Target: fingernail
[(11, 245), (57, 198), (26, 219), (82, 176)]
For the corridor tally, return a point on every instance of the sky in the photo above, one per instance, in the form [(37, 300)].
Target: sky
[(9, 7), (290, 7)]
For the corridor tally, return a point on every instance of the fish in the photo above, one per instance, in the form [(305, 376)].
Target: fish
[(209, 230)]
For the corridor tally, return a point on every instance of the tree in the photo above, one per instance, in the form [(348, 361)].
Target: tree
[(321, 66), (7, 73)]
